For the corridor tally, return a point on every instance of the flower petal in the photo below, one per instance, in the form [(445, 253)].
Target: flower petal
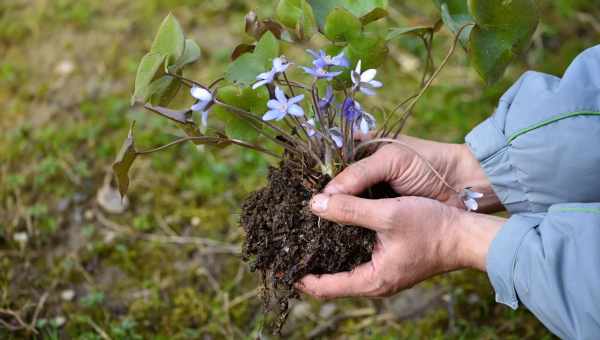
[(280, 95), (296, 110), (259, 84), (313, 53), (273, 114), (474, 194), (355, 78), (273, 104), (296, 99), (204, 118), (199, 106), (368, 75), (358, 65), (201, 93), (266, 76), (376, 84), (471, 204), (367, 91)]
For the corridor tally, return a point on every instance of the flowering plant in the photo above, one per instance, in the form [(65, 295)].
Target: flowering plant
[(317, 123)]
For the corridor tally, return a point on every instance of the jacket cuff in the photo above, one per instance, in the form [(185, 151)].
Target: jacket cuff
[(502, 256), (488, 143)]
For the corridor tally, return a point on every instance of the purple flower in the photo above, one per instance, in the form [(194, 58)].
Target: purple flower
[(365, 82), (351, 109), (321, 73), (469, 198), (365, 123), (282, 106), (279, 65), (336, 136), (325, 102), (322, 60)]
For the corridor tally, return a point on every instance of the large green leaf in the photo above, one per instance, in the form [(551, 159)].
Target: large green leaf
[(191, 54), (503, 31), (163, 90), (415, 30), (455, 14), (358, 8), (169, 40), (146, 72), (254, 101), (245, 69), (123, 162), (298, 16), (341, 25)]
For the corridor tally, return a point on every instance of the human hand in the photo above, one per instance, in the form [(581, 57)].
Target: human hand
[(417, 238), (404, 166)]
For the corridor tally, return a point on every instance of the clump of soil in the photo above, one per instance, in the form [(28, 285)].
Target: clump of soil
[(285, 241)]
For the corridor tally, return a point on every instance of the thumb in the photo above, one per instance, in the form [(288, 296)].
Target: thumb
[(351, 210)]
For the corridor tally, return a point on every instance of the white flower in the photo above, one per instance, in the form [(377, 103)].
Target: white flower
[(365, 82), (204, 98), (470, 198), (309, 126)]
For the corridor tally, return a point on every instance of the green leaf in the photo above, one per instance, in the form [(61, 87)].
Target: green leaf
[(123, 162), (341, 25), (147, 69), (370, 49), (503, 31), (169, 40), (416, 30), (191, 54), (358, 8), (374, 15), (298, 16), (455, 14), (254, 101), (245, 69), (163, 90)]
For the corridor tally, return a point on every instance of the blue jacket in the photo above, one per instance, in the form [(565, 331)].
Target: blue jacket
[(541, 152)]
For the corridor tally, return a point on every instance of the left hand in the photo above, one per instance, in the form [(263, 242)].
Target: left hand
[(417, 238)]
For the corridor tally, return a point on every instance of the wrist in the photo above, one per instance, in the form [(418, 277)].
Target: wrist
[(473, 238), (468, 173)]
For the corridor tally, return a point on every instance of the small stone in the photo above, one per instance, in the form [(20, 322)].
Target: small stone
[(195, 221), (300, 310), (327, 310), (65, 67), (21, 237), (59, 321), (67, 294)]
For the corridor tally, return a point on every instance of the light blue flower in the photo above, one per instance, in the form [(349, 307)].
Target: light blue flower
[(365, 123), (280, 65), (365, 82), (204, 98), (326, 101), (310, 127), (322, 60), (281, 106), (469, 198), (321, 73), (336, 136)]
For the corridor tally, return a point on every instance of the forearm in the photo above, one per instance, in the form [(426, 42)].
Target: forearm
[(474, 236)]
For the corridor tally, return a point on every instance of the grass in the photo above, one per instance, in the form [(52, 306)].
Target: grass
[(65, 80)]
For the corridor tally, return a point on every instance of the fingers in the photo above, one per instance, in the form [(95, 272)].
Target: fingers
[(345, 209), (361, 175), (358, 282)]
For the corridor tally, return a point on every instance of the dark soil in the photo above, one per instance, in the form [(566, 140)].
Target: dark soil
[(285, 241)]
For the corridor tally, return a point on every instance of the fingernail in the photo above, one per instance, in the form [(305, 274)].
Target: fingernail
[(319, 203), (331, 189)]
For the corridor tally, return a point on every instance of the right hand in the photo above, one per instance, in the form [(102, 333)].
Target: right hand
[(409, 175)]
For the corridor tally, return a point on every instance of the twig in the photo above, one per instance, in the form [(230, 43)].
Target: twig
[(331, 324), (38, 309)]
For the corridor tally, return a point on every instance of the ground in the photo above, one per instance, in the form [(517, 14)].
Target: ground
[(169, 267)]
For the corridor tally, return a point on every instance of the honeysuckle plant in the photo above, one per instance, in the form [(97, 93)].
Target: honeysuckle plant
[(318, 121)]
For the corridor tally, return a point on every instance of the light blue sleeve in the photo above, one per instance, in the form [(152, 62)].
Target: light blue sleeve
[(551, 264), (541, 152)]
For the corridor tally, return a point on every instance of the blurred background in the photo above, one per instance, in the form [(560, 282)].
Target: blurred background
[(73, 265)]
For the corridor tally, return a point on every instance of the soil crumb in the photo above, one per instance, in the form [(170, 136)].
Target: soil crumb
[(285, 241)]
